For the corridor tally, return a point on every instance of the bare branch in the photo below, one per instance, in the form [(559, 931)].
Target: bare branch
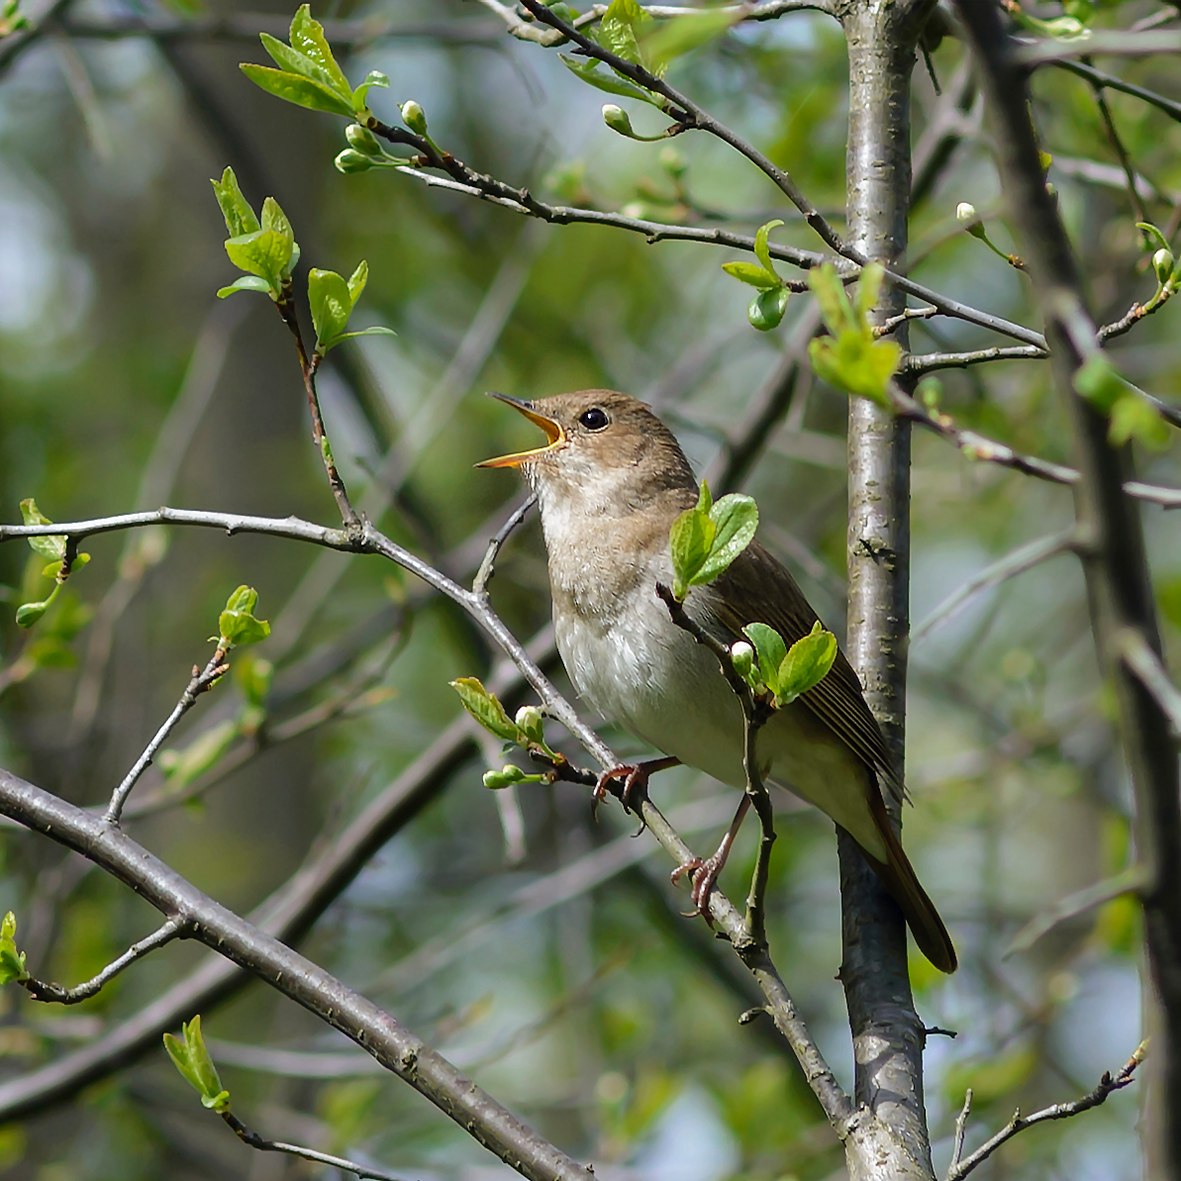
[(247, 1136), (202, 681), (42, 990), (1140, 657), (1021, 559), (1095, 1098)]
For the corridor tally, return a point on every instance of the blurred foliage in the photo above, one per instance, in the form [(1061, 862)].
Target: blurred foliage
[(593, 1009)]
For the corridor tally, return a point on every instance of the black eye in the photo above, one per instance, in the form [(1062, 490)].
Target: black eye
[(594, 419)]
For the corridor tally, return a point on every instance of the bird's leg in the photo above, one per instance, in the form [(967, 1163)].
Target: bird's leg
[(635, 779), (703, 874)]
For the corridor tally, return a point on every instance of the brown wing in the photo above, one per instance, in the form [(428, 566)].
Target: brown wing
[(759, 588)]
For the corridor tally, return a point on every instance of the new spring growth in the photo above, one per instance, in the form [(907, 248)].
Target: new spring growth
[(742, 657), (362, 140), (414, 117), (966, 215), (618, 120), (530, 722), (1162, 265)]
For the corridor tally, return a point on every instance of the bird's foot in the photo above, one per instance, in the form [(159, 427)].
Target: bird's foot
[(702, 874), (634, 780)]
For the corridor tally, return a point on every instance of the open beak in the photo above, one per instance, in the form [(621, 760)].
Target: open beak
[(554, 435)]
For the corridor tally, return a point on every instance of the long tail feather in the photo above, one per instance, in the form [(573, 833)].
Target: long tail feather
[(899, 878)]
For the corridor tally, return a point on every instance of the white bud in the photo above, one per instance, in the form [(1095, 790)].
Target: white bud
[(965, 212)]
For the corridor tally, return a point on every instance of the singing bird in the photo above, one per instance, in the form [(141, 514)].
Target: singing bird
[(610, 480)]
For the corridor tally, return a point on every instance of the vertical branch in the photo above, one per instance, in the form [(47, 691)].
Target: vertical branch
[(887, 1034), (1119, 588)]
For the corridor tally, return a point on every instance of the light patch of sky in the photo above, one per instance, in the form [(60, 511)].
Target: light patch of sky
[(690, 1143), (48, 287)]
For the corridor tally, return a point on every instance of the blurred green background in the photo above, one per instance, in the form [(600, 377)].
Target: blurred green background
[(541, 951)]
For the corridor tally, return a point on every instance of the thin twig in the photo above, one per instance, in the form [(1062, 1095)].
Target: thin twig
[(976, 446), (1023, 558), (1129, 881), (487, 566), (202, 681), (307, 368), (247, 1136), (1094, 1098), (42, 990), (961, 1127), (1146, 664)]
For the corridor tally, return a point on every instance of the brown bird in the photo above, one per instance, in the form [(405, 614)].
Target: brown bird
[(610, 480)]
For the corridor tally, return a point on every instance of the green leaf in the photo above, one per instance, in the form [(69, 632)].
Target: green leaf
[(806, 664), (237, 625), (292, 61), (265, 253), (331, 303), (735, 518), (621, 27), (273, 218), (690, 540), (12, 961), (762, 245), (485, 707), (372, 330), (1134, 417), (1150, 231), (307, 36), (48, 546), (869, 287), (1097, 381), (357, 281), (752, 274), (191, 1057), (372, 79), (239, 217), (853, 362), (292, 88), (767, 309), (770, 652), (830, 295), (245, 283), (595, 74), (669, 39)]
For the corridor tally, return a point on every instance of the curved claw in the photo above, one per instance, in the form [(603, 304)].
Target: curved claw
[(703, 875), (634, 777)]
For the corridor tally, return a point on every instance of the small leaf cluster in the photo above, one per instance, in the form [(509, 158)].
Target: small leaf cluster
[(237, 625), (308, 74), (265, 247), (262, 246), (55, 547), (1070, 26), (772, 669), (629, 32), (12, 20), (1165, 266), (12, 961), (1130, 415), (526, 730), (851, 358), (191, 1057), (332, 299), (768, 306), (705, 539)]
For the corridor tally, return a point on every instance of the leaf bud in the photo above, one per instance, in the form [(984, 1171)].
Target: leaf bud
[(414, 117), (530, 722), (1162, 265), (505, 777), (350, 161), (618, 120), (362, 140), (742, 657)]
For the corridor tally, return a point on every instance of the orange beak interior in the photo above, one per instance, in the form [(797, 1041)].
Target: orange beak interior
[(554, 434)]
